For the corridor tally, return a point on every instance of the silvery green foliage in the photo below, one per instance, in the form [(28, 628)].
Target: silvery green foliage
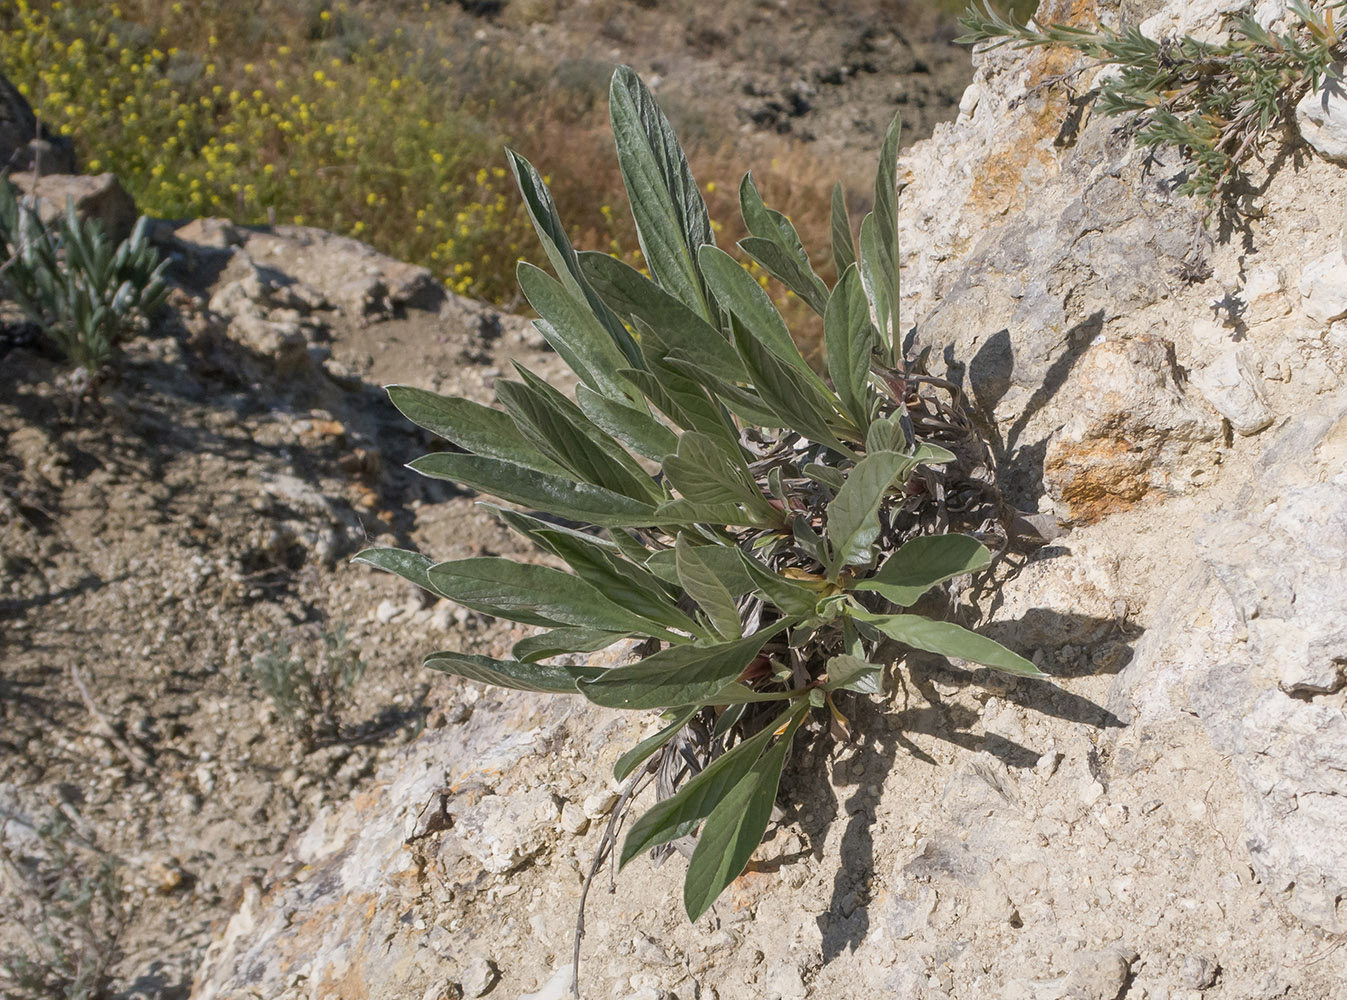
[(763, 561), (82, 290)]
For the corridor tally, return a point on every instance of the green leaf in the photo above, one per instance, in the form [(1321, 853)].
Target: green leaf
[(886, 236), (635, 428), (559, 641), (844, 250), (703, 584), (853, 516), (948, 639), (599, 563), (737, 292), (774, 243), (517, 484), (542, 211), (781, 265), (472, 426), (932, 454), (683, 401), (534, 595), (671, 218), (642, 751), (408, 565), (851, 673), (850, 339), (571, 327), (791, 598), (679, 675), (679, 814), (876, 270), (507, 673), (675, 512), (922, 563), (735, 827), (704, 471), (804, 404), (636, 297), (887, 434), (722, 559), (744, 403), (561, 430)]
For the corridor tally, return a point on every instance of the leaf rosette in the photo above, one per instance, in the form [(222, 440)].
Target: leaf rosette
[(763, 529)]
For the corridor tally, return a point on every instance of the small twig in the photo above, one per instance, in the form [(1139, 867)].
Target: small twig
[(134, 755), (634, 787)]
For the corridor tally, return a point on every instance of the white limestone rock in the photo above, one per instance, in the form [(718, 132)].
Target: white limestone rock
[(1321, 116)]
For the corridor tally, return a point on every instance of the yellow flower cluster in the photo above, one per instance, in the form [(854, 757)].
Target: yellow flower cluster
[(327, 136)]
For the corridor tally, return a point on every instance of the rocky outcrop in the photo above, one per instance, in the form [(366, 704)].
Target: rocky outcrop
[(94, 196), (1164, 819)]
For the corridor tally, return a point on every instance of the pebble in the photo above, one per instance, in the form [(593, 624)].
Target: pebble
[(387, 611), (600, 803), (573, 819), (1198, 972), (479, 977)]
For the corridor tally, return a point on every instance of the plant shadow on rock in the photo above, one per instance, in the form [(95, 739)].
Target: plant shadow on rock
[(989, 376), (882, 735)]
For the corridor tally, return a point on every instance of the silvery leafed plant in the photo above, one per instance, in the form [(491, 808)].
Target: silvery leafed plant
[(762, 530)]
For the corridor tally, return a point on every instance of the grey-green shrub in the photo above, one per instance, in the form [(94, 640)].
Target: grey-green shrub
[(80, 288), (772, 561), (309, 695), (1214, 101)]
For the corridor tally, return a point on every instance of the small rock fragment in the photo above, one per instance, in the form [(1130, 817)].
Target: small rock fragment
[(1321, 116), (387, 611), (1233, 391), (573, 819), (1198, 972), (479, 977), (1323, 288), (600, 803)]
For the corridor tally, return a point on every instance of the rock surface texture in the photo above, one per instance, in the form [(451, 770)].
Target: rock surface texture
[(1164, 820)]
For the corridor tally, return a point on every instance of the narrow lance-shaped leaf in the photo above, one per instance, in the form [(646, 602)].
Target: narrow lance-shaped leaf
[(776, 245), (850, 339), (679, 814), (922, 563), (505, 673), (635, 428), (734, 828), (704, 471), (679, 675), (844, 250), (599, 563), (876, 268), (948, 639), (853, 516), (886, 232), (642, 751), (535, 595), (571, 327), (560, 641), (542, 211), (517, 484), (704, 585), (561, 430), (737, 292), (408, 565), (670, 215)]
